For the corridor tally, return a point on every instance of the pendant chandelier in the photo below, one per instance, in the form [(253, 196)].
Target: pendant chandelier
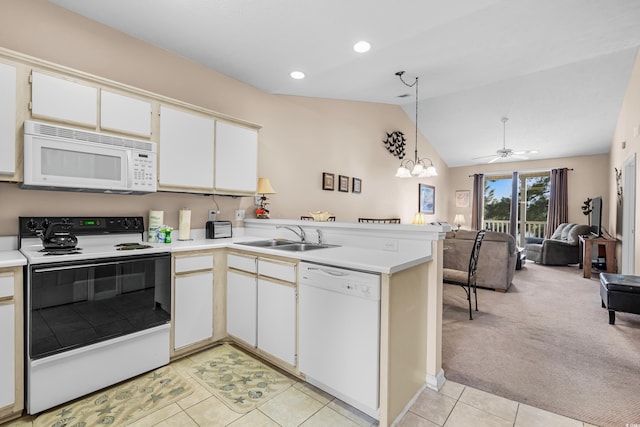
[(416, 166)]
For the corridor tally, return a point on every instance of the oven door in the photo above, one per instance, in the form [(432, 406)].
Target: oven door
[(76, 304)]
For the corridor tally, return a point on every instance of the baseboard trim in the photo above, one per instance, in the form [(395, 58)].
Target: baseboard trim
[(435, 382)]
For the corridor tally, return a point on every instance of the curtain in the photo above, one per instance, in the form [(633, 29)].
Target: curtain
[(513, 216), (478, 201), (558, 201)]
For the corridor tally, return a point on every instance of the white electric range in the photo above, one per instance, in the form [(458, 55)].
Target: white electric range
[(97, 311)]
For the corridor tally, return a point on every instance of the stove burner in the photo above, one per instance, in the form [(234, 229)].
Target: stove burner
[(61, 251), (131, 246)]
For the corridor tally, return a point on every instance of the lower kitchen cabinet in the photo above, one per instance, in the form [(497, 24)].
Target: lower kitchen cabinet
[(11, 341), (241, 307), (277, 319), (262, 305), (192, 301)]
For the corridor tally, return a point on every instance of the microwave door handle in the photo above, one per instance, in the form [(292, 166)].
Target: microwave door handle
[(129, 170)]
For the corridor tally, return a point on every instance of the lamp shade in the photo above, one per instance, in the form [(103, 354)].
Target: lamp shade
[(459, 220), (264, 186)]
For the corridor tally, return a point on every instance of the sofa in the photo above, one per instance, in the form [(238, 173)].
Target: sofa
[(496, 263), (562, 248)]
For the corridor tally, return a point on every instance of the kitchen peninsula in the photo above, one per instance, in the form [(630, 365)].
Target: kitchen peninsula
[(407, 259)]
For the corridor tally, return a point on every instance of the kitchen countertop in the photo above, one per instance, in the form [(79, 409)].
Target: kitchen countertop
[(11, 258), (377, 261)]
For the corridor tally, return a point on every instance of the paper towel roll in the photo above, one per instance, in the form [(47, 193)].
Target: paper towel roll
[(185, 225), (155, 221)]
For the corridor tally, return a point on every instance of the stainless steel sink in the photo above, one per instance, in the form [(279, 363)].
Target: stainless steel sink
[(299, 247), (286, 245), (268, 243)]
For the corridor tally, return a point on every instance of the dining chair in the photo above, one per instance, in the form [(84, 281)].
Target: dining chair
[(467, 280)]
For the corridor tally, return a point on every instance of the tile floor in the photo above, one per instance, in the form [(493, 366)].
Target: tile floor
[(305, 405)]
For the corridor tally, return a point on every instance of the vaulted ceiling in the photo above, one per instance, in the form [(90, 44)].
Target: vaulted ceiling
[(558, 69)]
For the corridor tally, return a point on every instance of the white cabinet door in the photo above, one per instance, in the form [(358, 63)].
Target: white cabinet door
[(186, 149), (236, 158), (193, 309), (64, 100), (125, 114), (7, 355), (241, 306), (277, 319), (7, 119)]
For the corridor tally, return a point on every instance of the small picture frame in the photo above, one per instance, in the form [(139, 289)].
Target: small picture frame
[(328, 180), (462, 198), (343, 183), (356, 185), (426, 199)]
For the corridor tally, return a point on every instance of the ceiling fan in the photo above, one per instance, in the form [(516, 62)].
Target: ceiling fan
[(504, 152)]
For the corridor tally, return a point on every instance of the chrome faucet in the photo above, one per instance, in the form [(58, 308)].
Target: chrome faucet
[(301, 234)]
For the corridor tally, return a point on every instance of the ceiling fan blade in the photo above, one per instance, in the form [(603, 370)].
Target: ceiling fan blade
[(518, 156), (483, 157), (526, 152), (495, 160)]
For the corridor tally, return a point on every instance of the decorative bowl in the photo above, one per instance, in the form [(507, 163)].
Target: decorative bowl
[(320, 215)]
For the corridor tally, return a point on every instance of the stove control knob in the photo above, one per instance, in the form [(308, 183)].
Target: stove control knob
[(126, 223), (32, 224), (45, 224), (136, 223)]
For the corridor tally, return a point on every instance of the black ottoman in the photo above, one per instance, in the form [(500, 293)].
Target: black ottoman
[(620, 293)]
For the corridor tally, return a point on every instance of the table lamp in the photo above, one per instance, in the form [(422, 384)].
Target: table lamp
[(459, 220), (264, 188)]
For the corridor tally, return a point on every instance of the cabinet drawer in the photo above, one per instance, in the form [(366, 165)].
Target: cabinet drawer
[(192, 263), (242, 262), (6, 285), (278, 270)]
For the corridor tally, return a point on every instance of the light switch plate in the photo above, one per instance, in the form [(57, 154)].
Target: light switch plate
[(239, 215)]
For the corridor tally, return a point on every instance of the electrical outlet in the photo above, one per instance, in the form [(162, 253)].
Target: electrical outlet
[(239, 215), (257, 200), (390, 245), (212, 214)]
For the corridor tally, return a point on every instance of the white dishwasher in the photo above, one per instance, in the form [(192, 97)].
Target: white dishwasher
[(339, 335)]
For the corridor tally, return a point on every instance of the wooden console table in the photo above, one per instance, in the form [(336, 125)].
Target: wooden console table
[(587, 243)]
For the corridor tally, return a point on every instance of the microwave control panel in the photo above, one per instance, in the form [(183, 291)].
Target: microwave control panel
[(144, 171)]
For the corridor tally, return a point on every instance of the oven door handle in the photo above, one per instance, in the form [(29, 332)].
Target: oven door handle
[(69, 267)]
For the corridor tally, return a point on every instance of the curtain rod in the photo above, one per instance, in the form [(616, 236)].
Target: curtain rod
[(525, 171)]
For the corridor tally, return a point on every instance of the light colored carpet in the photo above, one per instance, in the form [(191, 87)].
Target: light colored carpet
[(547, 343), (121, 404), (238, 379)]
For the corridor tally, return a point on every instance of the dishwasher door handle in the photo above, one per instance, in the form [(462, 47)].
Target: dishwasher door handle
[(334, 273)]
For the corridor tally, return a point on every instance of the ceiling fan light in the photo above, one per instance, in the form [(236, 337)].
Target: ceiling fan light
[(403, 172)]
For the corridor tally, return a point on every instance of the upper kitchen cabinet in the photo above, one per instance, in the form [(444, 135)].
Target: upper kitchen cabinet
[(125, 114), (60, 99), (7, 119), (236, 157), (186, 151)]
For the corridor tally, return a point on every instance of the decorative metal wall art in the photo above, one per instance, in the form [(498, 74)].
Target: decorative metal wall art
[(395, 143)]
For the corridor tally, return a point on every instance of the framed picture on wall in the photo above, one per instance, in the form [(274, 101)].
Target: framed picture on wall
[(426, 199), (462, 199), (328, 181), (343, 183), (357, 186)]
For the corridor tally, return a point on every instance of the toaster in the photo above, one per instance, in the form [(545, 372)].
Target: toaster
[(218, 229)]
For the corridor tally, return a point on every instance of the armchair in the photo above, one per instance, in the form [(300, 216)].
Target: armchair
[(562, 248)]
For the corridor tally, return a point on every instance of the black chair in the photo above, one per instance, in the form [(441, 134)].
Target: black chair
[(310, 218), (467, 280), (380, 220)]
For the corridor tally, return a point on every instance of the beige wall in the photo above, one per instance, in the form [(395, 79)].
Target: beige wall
[(589, 178), (300, 138), (626, 143)]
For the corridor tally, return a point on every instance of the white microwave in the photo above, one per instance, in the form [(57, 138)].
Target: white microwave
[(59, 158)]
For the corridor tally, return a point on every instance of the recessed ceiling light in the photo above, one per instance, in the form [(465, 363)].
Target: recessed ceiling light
[(362, 46), (297, 75)]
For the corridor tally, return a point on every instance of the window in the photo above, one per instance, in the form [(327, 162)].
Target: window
[(533, 203)]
